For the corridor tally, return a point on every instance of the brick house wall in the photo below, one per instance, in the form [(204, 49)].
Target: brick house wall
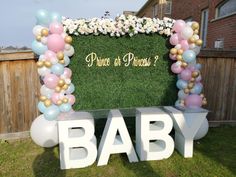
[(222, 28)]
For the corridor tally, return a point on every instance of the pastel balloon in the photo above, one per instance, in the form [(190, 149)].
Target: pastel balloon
[(186, 32), (55, 17), (51, 80), (178, 46), (67, 46), (71, 99), (37, 30), (46, 91), (181, 84), (178, 104), (55, 97), (198, 66), (49, 54), (193, 101), (182, 95), (199, 78), (69, 52), (174, 39), (186, 74), (44, 40), (179, 25), (44, 71), (202, 131), (172, 57), (41, 107), (197, 89), (51, 112), (189, 56), (184, 44), (67, 60), (53, 60), (70, 89), (43, 132), (38, 47), (197, 49), (67, 72), (66, 107), (55, 43), (176, 68), (57, 69), (42, 17), (56, 28)]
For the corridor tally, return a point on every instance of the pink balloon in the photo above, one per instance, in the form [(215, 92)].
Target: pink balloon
[(191, 68), (56, 28), (179, 25), (55, 97), (71, 99), (49, 54), (55, 43), (176, 69), (50, 81), (184, 44), (172, 57), (186, 74), (67, 72), (193, 101), (174, 39)]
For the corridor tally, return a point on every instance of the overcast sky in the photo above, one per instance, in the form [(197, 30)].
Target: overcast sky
[(17, 17)]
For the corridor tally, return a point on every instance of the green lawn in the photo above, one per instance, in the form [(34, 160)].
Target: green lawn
[(214, 156)]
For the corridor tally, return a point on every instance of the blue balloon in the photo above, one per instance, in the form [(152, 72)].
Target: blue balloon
[(65, 107), (41, 107), (57, 69), (38, 47), (198, 66), (177, 103), (43, 17), (67, 60), (182, 95), (52, 112), (55, 17), (189, 56), (197, 89), (181, 84), (70, 89)]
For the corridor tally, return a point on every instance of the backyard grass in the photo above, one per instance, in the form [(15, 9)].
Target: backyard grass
[(214, 156)]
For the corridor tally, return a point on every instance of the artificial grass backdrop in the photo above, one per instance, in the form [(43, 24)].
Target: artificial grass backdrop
[(120, 86)]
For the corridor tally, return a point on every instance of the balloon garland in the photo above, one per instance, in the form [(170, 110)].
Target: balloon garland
[(187, 46), (54, 49)]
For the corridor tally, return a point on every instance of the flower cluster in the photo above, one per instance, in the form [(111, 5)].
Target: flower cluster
[(122, 25)]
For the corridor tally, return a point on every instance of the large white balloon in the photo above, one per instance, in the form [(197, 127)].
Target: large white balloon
[(187, 32), (44, 71), (46, 91), (69, 52), (202, 130), (43, 132)]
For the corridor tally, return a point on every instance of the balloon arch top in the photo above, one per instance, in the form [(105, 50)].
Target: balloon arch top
[(53, 45)]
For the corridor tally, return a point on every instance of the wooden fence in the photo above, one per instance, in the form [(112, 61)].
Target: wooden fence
[(19, 89)]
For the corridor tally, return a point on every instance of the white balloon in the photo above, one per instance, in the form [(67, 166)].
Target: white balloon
[(196, 37), (178, 46), (46, 91), (43, 132), (44, 71), (189, 23), (202, 130), (187, 32), (37, 30), (41, 57), (192, 46), (44, 40), (67, 46), (197, 49), (69, 52), (54, 60)]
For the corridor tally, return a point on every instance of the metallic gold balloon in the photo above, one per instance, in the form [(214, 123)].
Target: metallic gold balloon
[(65, 100), (190, 85), (192, 79), (47, 103), (58, 89), (202, 95), (199, 42), (60, 55), (68, 39), (180, 51), (195, 26), (184, 64), (192, 40), (59, 102), (186, 91), (204, 102), (195, 32), (195, 74), (38, 38), (65, 87), (61, 82), (61, 61), (42, 98), (40, 64), (173, 51), (44, 32), (48, 64), (179, 57)]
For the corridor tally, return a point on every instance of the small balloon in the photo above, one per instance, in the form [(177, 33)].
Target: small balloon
[(46, 91), (41, 107), (184, 44), (37, 30), (42, 17), (174, 40), (69, 52), (67, 60), (43, 71), (55, 17), (175, 68), (57, 69), (182, 95), (66, 107), (71, 99), (70, 89), (38, 47), (179, 25), (181, 84), (51, 112), (186, 74), (56, 28), (67, 72)]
